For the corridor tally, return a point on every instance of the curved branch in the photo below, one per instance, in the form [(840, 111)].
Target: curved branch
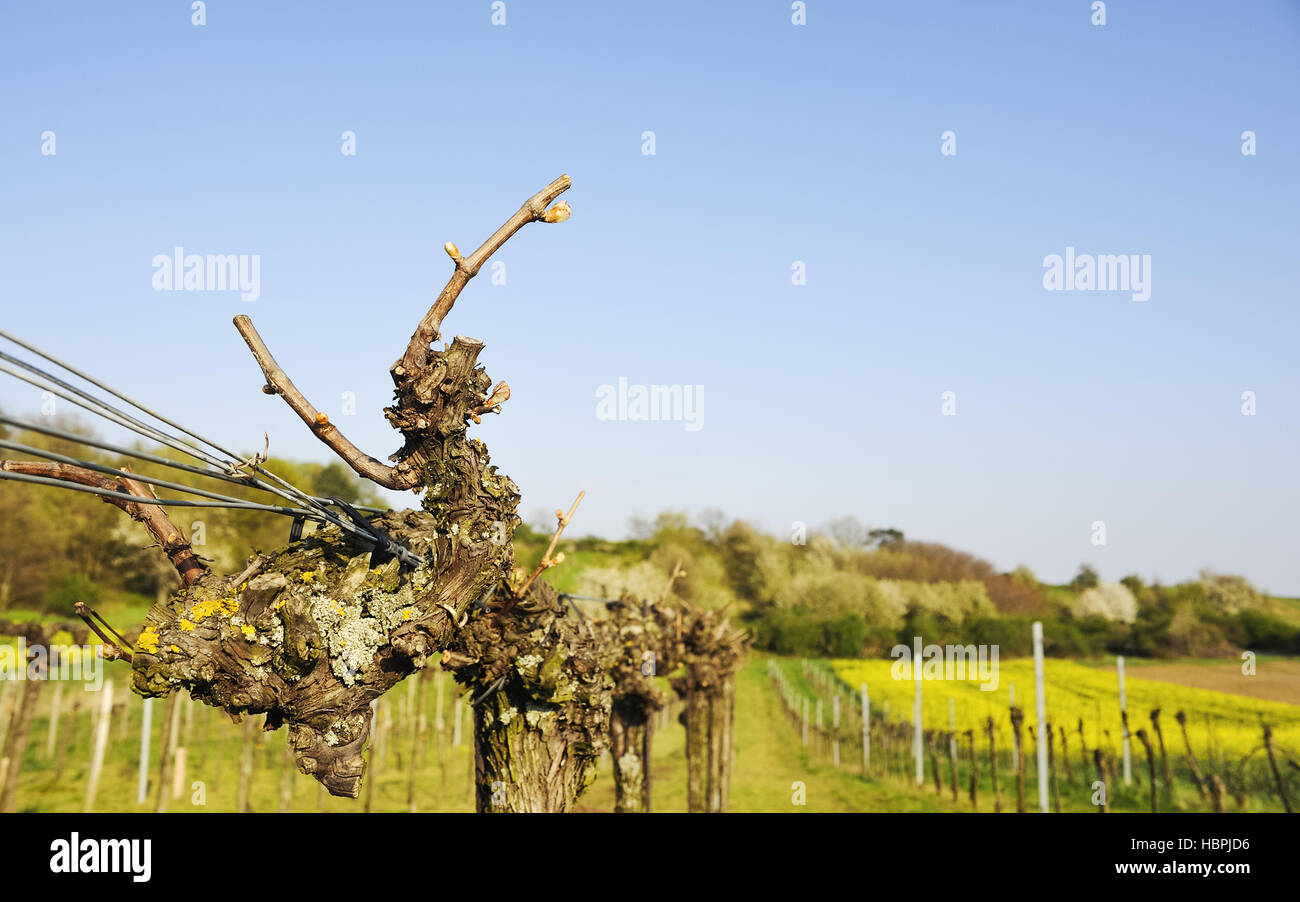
[(533, 210), (279, 383), (168, 536)]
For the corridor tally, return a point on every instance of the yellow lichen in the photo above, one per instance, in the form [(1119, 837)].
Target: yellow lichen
[(207, 607), (186, 625), (148, 640)]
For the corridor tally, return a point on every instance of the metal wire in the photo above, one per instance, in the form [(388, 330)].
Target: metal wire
[(165, 502), (317, 506), (224, 476), (100, 409), (121, 418), (110, 471), (136, 404), (296, 495)]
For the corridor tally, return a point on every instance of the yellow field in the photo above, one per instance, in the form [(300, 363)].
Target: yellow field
[(1218, 723)]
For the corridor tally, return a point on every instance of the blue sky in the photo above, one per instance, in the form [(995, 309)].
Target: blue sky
[(774, 144)]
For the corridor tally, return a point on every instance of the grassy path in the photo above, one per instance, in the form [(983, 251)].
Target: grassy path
[(769, 760)]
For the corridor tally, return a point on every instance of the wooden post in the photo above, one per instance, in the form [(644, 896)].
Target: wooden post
[(1051, 767), (1151, 767), (934, 761), (1191, 758), (190, 704), (142, 790), (835, 724), (888, 746), (805, 722), (1099, 757), (1015, 744), (993, 767), (52, 736), (952, 743), (243, 794), (974, 772), (1065, 757), (821, 735), (440, 729), (7, 690), (165, 747), (178, 772), (286, 781), (1216, 793), (1083, 752), (205, 718), (1165, 775), (866, 731), (916, 725), (100, 743), (1017, 722), (414, 695), (1123, 716), (459, 716), (1272, 763), (952, 763), (1040, 703)]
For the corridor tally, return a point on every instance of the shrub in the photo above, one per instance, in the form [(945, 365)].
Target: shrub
[(1112, 601)]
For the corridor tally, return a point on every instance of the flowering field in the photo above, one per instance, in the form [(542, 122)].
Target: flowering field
[(1220, 725)]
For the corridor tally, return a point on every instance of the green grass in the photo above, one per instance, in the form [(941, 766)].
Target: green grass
[(769, 760)]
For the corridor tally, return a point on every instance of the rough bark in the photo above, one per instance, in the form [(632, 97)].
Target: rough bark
[(712, 650), (313, 633), (643, 644), (539, 679)]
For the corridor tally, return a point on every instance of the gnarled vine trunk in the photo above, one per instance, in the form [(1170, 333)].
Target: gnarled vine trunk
[(313, 632), (712, 650), (541, 689), (644, 644)]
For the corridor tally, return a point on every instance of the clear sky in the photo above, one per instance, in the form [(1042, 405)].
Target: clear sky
[(774, 143)]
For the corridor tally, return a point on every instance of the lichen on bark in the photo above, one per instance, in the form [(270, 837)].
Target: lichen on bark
[(712, 651), (326, 624), (314, 631), (539, 677), (644, 645)]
